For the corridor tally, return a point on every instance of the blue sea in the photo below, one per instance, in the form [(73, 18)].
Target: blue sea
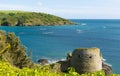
[(54, 42)]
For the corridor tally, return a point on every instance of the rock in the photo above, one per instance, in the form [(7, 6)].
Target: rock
[(64, 65), (61, 66), (107, 69), (86, 60), (56, 67), (43, 61), (69, 56)]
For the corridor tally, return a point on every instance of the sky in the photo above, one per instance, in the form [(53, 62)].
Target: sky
[(70, 9)]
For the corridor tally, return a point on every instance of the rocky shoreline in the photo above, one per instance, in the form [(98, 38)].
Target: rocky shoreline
[(84, 60)]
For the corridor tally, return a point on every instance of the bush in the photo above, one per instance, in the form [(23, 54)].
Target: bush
[(13, 51)]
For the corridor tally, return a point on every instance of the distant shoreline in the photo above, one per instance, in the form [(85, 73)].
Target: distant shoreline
[(22, 18)]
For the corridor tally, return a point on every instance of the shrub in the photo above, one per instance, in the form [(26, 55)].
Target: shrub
[(13, 51)]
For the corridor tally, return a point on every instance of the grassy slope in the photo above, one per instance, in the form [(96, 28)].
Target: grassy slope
[(7, 70), (23, 18)]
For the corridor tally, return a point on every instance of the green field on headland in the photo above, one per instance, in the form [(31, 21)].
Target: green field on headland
[(23, 18)]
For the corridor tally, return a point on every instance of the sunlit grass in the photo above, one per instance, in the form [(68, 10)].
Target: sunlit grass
[(7, 70)]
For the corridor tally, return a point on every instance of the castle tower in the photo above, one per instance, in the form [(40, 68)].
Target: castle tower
[(86, 60)]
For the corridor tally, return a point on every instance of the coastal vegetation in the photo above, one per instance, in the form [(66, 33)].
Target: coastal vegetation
[(15, 62), (23, 18), (7, 70), (12, 51)]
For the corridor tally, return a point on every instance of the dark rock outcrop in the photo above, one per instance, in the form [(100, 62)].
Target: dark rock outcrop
[(107, 69), (43, 61), (69, 56)]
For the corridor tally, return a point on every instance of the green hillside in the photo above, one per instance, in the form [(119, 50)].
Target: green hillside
[(23, 18)]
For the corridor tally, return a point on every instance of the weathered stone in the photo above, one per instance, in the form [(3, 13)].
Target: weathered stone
[(64, 65), (43, 61), (86, 60), (61, 66), (69, 56), (107, 69), (57, 67)]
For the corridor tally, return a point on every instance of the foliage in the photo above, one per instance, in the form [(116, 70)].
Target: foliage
[(13, 52), (7, 70), (21, 18)]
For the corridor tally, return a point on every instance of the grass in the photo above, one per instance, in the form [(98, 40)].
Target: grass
[(7, 70)]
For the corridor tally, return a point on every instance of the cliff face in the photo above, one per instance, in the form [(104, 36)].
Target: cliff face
[(20, 18)]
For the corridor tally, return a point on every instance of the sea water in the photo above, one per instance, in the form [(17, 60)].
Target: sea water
[(54, 42)]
